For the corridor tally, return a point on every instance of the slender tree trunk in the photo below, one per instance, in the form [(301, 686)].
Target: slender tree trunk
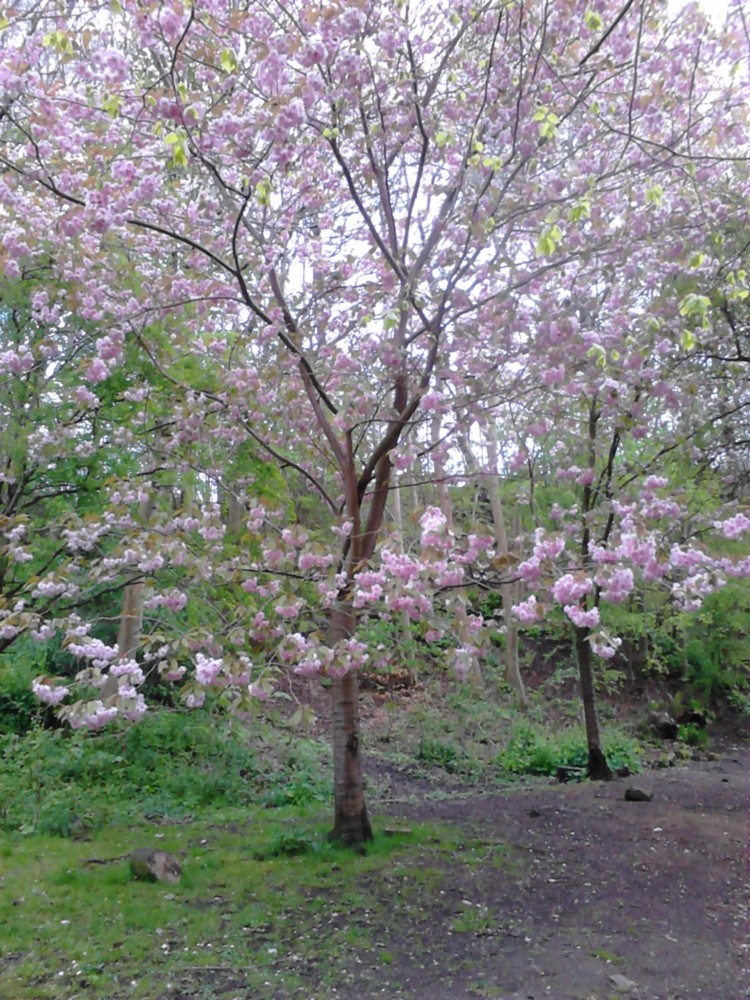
[(406, 630), (131, 620), (351, 825), (598, 767), (456, 604), (512, 666), (131, 615)]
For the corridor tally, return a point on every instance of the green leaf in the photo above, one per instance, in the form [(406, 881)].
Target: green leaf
[(687, 340), (228, 61), (111, 105), (545, 245), (263, 191), (593, 20), (695, 305)]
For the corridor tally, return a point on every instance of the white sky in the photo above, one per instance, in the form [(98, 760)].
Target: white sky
[(716, 9)]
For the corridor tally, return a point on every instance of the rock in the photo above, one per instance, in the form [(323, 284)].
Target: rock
[(692, 717), (663, 725), (621, 983), (153, 865), (633, 794), (623, 772)]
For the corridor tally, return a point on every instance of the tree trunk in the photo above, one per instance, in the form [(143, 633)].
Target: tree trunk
[(598, 767), (455, 604), (351, 825), (131, 615), (131, 620), (512, 666), (406, 629)]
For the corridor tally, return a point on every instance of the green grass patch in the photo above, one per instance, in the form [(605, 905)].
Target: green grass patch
[(170, 766), (247, 919), (532, 749)]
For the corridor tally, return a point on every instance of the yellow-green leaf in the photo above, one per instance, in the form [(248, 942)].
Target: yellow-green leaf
[(228, 61)]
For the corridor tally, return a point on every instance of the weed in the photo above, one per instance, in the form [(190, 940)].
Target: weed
[(693, 734), (531, 749), (474, 918), (286, 845)]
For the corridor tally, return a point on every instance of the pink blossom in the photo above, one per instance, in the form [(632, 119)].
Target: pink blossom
[(50, 694), (633, 548), (581, 618), (129, 669), (617, 585), (213, 532), (463, 660), (548, 547), (434, 525), (289, 608), (93, 715), (19, 555), (570, 589), (207, 669), (97, 371), (93, 649), (195, 699), (527, 611), (400, 566), (136, 710), (530, 570), (605, 649), (364, 596), (258, 691), (733, 527)]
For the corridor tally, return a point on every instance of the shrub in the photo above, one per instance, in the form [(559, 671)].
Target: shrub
[(531, 749)]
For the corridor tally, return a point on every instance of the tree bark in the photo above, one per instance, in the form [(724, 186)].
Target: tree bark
[(351, 825), (598, 768), (455, 604), (131, 620), (406, 630), (131, 615), (512, 667)]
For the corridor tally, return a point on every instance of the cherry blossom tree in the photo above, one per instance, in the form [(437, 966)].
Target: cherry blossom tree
[(357, 212)]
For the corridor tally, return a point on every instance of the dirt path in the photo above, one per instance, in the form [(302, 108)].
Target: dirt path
[(591, 897)]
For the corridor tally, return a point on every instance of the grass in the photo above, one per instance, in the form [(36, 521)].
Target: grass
[(169, 767), (279, 926), (266, 906)]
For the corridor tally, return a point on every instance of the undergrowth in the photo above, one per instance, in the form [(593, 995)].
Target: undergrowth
[(473, 736), (168, 766)]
